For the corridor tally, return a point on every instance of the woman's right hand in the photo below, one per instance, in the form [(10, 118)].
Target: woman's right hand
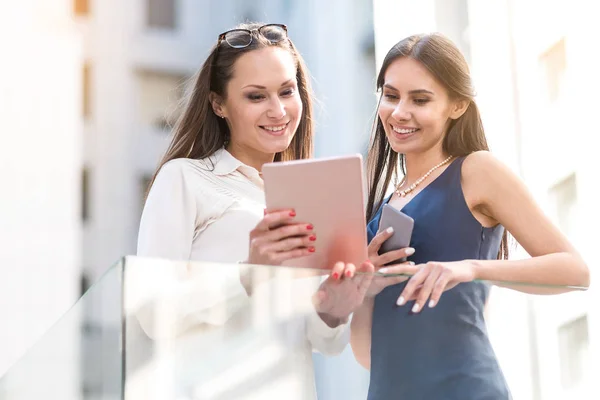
[(278, 237), (379, 260)]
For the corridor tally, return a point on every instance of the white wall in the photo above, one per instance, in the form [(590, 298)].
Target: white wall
[(542, 144), (550, 141), (120, 148), (40, 158)]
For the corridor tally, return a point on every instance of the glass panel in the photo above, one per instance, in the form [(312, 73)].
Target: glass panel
[(192, 331), (79, 357), (230, 331)]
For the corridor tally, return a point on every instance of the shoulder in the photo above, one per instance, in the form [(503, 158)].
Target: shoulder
[(184, 175), (187, 168), (482, 167), (486, 180)]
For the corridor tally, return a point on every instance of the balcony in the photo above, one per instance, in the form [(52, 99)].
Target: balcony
[(159, 329)]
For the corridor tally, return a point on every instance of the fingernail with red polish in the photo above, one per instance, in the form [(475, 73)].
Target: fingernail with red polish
[(292, 213), (335, 275), (309, 227), (311, 249), (312, 238), (348, 274)]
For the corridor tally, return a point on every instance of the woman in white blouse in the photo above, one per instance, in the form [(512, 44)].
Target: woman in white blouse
[(250, 105)]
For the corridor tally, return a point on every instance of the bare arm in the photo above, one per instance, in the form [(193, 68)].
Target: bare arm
[(360, 333), (496, 195), (360, 327), (501, 195)]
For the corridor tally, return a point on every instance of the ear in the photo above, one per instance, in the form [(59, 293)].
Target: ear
[(216, 102), (458, 108)]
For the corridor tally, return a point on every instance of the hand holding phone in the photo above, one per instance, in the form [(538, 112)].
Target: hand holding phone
[(402, 225)]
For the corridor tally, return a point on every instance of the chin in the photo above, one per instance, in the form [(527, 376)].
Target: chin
[(408, 149), (277, 146), (400, 148), (404, 147)]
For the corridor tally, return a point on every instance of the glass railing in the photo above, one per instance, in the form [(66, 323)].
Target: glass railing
[(80, 356), (158, 329)]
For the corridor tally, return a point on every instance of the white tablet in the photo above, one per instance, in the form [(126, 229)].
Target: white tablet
[(329, 194)]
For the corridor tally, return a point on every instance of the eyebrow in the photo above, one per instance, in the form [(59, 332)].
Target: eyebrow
[(416, 91), (263, 87)]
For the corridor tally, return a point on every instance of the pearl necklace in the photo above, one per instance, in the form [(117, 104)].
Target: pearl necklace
[(403, 193)]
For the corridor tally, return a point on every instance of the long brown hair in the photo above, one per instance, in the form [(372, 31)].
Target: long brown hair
[(465, 135), (199, 133)]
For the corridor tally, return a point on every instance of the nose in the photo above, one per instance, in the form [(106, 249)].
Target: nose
[(276, 109), (401, 113)]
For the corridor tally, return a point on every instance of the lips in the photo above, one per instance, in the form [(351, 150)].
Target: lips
[(404, 130), (276, 130)]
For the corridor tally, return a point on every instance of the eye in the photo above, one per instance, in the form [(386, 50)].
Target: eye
[(255, 96), (288, 92), (421, 102), (390, 96)]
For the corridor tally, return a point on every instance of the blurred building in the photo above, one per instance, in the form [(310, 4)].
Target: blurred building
[(40, 159), (536, 80), (93, 88), (138, 57), (90, 89), (137, 60)]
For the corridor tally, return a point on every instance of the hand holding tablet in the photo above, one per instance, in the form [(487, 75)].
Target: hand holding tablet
[(328, 194)]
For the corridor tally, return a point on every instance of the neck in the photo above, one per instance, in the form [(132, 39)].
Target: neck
[(418, 164), (250, 157)]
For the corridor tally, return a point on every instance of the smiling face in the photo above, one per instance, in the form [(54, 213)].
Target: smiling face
[(415, 108), (262, 106)]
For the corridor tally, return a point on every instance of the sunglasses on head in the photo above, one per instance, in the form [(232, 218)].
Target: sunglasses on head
[(240, 38)]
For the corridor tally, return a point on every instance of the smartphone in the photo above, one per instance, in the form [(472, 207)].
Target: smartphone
[(403, 228)]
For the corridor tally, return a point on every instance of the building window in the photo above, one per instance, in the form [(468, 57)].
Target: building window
[(81, 7), (554, 63), (85, 194), (87, 91), (161, 14), (84, 282), (573, 346), (564, 196), (160, 97)]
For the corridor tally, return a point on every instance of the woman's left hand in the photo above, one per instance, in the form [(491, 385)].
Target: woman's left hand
[(342, 292), (430, 280)]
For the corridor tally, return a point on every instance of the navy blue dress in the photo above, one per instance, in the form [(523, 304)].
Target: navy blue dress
[(444, 352)]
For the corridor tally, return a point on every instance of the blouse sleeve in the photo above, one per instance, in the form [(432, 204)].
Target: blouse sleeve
[(205, 293), (169, 217)]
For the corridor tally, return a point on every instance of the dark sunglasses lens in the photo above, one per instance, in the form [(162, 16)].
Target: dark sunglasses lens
[(238, 39), (273, 33)]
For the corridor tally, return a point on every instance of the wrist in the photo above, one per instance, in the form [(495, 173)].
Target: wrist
[(368, 300), (367, 304), (476, 269)]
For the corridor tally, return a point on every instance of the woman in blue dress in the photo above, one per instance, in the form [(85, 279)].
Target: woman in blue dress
[(417, 343)]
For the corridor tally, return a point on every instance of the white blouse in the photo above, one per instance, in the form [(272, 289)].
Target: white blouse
[(203, 210)]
